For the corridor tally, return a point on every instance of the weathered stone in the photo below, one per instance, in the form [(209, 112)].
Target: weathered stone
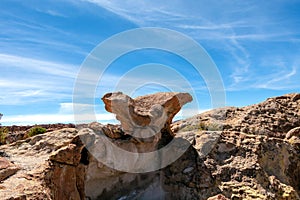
[(188, 170), (65, 181), (273, 117), (293, 132), (31, 156), (7, 168), (296, 97), (218, 197), (260, 163), (69, 155), (206, 142), (110, 130), (226, 147), (145, 116), (65, 176)]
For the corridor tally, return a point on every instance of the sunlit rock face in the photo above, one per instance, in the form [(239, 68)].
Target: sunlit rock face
[(253, 154), (146, 116)]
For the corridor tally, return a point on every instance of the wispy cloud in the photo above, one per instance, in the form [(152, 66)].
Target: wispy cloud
[(275, 81), (282, 76), (228, 27), (275, 73), (255, 45), (26, 34), (199, 24), (51, 12), (40, 66), (25, 80)]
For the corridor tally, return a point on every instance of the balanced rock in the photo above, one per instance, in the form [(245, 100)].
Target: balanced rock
[(145, 116)]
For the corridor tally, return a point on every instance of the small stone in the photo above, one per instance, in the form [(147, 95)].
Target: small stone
[(218, 197), (225, 147), (187, 170), (206, 142)]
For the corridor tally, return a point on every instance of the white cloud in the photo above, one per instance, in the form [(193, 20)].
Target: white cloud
[(279, 80), (68, 108), (201, 24), (226, 27), (276, 73), (52, 12), (40, 66), (26, 80), (64, 115), (51, 118)]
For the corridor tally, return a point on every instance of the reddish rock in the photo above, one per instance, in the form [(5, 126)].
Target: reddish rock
[(7, 168)]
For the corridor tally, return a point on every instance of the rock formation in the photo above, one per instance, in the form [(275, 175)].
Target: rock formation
[(7, 168), (236, 153), (273, 117), (145, 116)]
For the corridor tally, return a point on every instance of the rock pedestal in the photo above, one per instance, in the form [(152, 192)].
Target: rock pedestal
[(146, 116)]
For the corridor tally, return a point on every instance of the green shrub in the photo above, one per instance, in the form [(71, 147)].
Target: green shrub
[(36, 131), (214, 127), (3, 134), (202, 127), (196, 127)]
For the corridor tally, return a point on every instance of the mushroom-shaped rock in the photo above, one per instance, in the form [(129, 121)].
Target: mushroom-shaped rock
[(146, 116)]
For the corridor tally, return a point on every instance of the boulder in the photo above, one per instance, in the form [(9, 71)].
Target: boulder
[(7, 168)]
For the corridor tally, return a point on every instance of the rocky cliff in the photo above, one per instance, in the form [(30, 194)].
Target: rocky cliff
[(233, 153)]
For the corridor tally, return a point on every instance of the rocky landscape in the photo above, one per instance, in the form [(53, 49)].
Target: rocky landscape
[(228, 153)]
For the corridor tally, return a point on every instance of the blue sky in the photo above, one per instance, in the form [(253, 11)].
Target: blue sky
[(254, 44)]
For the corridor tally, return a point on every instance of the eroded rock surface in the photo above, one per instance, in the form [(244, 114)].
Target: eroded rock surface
[(7, 168), (274, 117), (145, 116), (228, 159), (32, 158)]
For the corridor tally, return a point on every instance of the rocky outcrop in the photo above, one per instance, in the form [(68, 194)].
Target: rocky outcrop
[(257, 154), (15, 133), (223, 161), (145, 116), (274, 117), (35, 158)]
